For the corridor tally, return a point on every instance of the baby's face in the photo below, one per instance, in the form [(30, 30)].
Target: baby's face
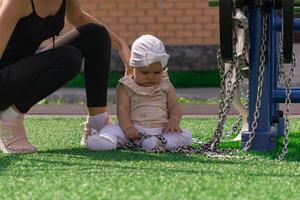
[(148, 76)]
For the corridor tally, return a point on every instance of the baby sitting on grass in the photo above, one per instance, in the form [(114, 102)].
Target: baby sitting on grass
[(146, 102)]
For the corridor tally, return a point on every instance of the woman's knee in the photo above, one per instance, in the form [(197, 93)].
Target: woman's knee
[(96, 34), (72, 58)]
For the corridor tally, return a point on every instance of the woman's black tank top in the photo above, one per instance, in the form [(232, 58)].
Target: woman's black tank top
[(30, 32)]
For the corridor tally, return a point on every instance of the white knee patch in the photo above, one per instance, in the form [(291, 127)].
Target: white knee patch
[(100, 143)]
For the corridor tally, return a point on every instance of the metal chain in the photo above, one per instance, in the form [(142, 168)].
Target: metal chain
[(200, 149), (236, 127), (214, 142), (288, 101), (222, 103), (222, 82), (282, 74), (242, 60), (230, 88), (260, 82)]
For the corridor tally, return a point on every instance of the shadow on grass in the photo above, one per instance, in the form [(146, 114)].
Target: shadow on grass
[(77, 159), (292, 155), (7, 160), (293, 149), (133, 155), (117, 155)]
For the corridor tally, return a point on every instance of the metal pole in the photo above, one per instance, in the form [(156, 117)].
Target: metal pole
[(265, 137)]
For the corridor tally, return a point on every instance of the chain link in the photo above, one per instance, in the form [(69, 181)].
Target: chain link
[(288, 101), (262, 60), (199, 149), (282, 74), (227, 91), (225, 109), (237, 126)]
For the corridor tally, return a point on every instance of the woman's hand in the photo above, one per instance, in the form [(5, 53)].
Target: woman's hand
[(124, 53), (132, 133), (172, 126)]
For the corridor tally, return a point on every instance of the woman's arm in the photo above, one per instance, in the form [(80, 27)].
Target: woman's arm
[(78, 17), (10, 13)]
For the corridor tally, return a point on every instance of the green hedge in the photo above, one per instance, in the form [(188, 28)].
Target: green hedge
[(178, 78)]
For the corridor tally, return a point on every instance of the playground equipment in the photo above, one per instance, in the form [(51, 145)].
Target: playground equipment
[(270, 22)]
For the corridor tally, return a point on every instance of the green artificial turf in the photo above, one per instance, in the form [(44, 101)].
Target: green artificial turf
[(64, 170)]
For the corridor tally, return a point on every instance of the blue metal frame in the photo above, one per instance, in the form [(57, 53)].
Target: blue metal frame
[(265, 138), (267, 131)]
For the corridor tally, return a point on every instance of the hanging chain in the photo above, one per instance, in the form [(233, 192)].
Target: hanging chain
[(282, 74), (214, 142), (260, 81), (222, 82), (288, 101), (226, 99), (240, 22), (236, 127)]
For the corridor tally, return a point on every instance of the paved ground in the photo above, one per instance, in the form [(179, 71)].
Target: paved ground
[(75, 95), (71, 96)]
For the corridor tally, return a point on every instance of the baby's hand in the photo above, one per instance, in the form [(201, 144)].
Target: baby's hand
[(132, 133), (172, 126), (109, 120)]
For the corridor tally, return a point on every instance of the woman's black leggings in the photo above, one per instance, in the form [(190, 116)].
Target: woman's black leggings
[(26, 82)]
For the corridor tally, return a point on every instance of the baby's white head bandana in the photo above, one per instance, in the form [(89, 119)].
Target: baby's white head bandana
[(146, 50)]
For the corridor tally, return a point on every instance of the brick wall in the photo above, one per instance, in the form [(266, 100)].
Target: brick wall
[(176, 22)]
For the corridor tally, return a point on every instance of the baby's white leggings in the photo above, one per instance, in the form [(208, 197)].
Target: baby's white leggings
[(111, 136)]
